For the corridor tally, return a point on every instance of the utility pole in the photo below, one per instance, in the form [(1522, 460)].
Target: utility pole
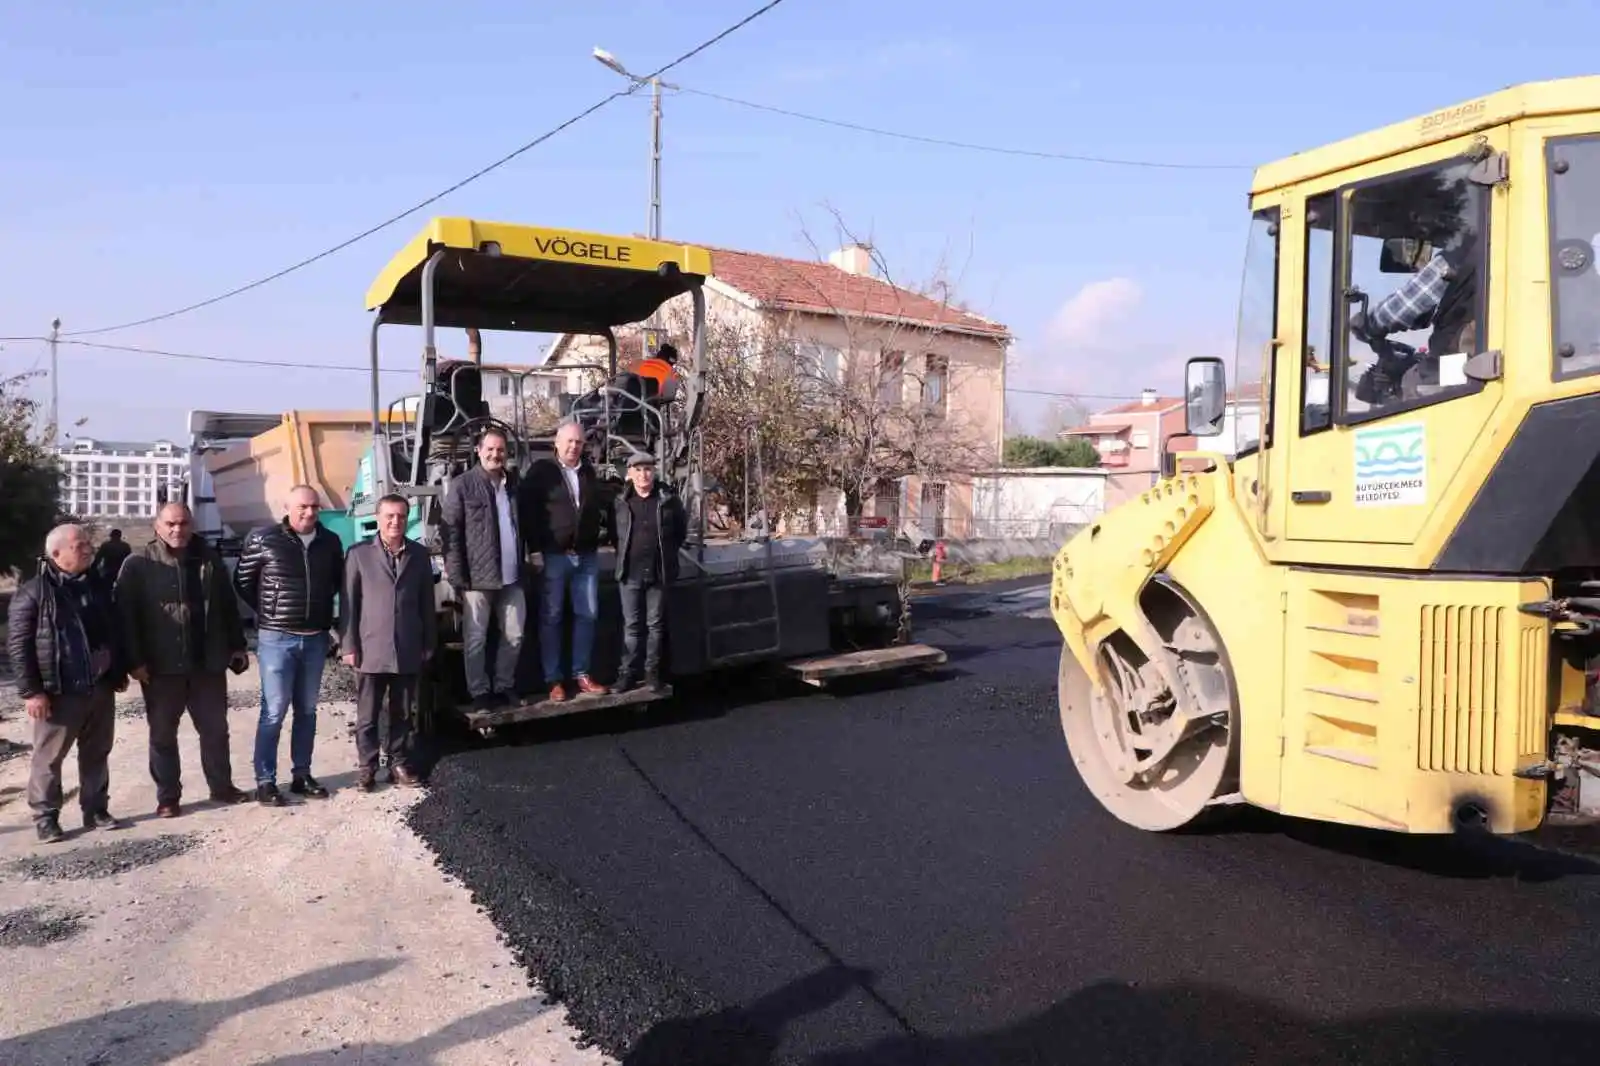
[(55, 384)]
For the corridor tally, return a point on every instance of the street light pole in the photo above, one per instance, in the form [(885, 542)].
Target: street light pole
[(656, 85), (55, 384), (655, 159)]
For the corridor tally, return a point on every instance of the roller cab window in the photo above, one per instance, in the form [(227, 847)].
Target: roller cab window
[(1413, 281)]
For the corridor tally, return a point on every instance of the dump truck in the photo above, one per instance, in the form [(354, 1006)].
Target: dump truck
[(750, 600), (1370, 593)]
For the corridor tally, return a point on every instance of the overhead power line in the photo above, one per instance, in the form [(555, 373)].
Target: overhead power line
[(351, 368), (945, 142), (233, 360), (1074, 395), (385, 224)]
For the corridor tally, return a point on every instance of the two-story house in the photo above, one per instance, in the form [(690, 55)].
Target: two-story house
[(1129, 440), (839, 317)]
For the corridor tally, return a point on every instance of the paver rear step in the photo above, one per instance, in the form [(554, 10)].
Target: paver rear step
[(548, 708), (868, 661)]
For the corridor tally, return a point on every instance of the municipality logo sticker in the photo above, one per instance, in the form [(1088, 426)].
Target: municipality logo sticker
[(1391, 466)]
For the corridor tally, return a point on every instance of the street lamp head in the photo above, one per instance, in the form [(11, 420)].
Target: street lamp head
[(611, 61)]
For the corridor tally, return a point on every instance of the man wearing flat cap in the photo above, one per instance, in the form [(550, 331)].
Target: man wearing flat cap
[(651, 525)]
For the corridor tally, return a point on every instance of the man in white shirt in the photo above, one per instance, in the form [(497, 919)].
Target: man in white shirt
[(483, 552), (566, 515)]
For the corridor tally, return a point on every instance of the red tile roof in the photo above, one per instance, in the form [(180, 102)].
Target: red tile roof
[(1139, 406), (803, 285)]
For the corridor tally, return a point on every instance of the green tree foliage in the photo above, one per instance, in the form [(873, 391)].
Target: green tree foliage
[(1036, 451), (30, 480)]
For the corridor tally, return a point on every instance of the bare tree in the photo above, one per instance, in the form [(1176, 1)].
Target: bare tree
[(884, 411)]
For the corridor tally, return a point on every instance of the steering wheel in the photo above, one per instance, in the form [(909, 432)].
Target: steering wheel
[(1380, 383), (470, 429)]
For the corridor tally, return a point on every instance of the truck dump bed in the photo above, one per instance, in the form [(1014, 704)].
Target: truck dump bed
[(251, 479)]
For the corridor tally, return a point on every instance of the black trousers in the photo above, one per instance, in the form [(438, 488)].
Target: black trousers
[(205, 697), (644, 611), (393, 696)]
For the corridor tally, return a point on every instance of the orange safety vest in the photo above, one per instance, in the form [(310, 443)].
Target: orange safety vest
[(658, 370)]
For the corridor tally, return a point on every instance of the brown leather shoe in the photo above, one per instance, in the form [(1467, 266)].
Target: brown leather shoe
[(233, 795), (589, 686), (558, 693), (405, 778), (169, 810), (367, 781)]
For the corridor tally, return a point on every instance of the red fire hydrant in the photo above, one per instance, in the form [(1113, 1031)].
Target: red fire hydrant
[(938, 559)]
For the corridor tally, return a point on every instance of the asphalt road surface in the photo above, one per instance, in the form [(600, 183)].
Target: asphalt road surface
[(913, 874)]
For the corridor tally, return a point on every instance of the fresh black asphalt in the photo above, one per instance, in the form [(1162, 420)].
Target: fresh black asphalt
[(912, 874)]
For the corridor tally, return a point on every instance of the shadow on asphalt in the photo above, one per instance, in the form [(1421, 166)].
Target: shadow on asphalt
[(1112, 1024), (1467, 857)]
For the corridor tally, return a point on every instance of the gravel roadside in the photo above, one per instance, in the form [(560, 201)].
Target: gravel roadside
[(322, 933)]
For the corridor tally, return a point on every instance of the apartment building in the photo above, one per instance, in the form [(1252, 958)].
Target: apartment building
[(119, 479)]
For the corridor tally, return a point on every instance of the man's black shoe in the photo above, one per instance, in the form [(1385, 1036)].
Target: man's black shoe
[(269, 796), (102, 820), (654, 684), (307, 786), (625, 683), (49, 830), (485, 702)]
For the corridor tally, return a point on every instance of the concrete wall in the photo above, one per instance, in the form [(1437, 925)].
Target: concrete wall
[(1029, 502)]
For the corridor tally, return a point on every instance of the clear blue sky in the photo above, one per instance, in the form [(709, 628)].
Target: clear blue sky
[(157, 153)]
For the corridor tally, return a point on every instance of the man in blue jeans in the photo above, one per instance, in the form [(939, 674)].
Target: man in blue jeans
[(289, 575), (564, 514)]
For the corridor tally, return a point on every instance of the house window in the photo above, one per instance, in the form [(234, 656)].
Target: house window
[(936, 384), (505, 385), (891, 377), (1141, 439), (931, 512), (822, 362), (887, 504)]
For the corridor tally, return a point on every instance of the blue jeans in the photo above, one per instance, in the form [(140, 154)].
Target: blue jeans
[(291, 674), (577, 577)]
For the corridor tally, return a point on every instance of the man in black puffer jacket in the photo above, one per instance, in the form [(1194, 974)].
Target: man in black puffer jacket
[(289, 575)]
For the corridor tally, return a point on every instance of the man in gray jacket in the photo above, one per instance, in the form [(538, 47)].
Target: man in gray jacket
[(483, 555), (388, 635)]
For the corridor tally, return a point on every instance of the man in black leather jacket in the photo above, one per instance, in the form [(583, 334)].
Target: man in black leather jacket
[(289, 574), (181, 633)]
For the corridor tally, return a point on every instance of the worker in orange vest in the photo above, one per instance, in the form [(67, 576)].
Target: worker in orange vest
[(660, 368)]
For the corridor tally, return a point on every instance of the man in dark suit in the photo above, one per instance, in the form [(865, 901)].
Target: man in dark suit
[(389, 632), (564, 515)]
